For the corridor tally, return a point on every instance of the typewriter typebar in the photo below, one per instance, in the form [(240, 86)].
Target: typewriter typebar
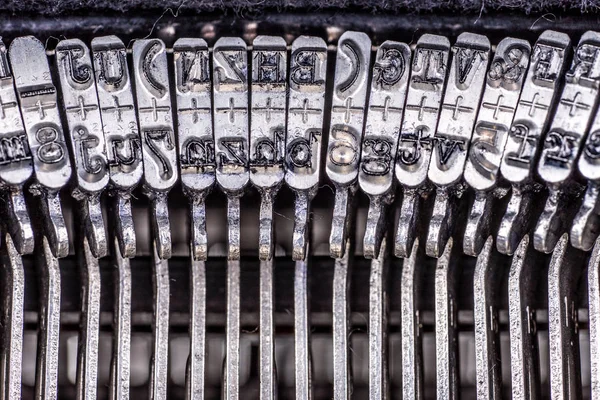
[(288, 216)]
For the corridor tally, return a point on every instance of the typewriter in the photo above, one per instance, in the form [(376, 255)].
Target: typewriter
[(306, 204)]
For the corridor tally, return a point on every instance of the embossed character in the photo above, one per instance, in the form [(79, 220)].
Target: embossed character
[(79, 72), (377, 158), (50, 150), (14, 149), (303, 70), (388, 68), (112, 68), (418, 140)]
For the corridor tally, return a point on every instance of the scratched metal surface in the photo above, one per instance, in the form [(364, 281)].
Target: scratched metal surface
[(322, 268)]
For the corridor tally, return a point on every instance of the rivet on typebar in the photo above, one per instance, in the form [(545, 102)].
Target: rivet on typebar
[(524, 357), (500, 98), (306, 102), (593, 279), (267, 130), (38, 102), (566, 267), (562, 142), (195, 133), (340, 305), (466, 78), (350, 89), (586, 224), (382, 127), (13, 279), (532, 116), (486, 288), (447, 284), (16, 160), (158, 138), (379, 385), (412, 290), (84, 124), (123, 144), (230, 96), (426, 85)]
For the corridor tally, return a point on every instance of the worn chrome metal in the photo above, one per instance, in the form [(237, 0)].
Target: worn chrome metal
[(384, 117), (152, 94), (230, 96), (159, 367), (342, 380), (423, 102), (586, 225), (15, 158), (120, 370), (302, 354), (565, 269), (87, 352), (196, 143), (306, 102), (500, 98), (121, 132), (349, 103), (485, 314), (267, 130), (268, 370), (454, 130), (46, 376), (524, 357), (231, 373), (593, 277), (13, 283), (38, 103), (561, 146), (196, 366), (532, 116), (446, 323), (379, 387), (413, 270), (84, 125)]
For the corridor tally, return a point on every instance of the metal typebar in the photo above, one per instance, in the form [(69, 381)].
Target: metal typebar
[(120, 371), (350, 89), (342, 380), (196, 367), (302, 355), (87, 357), (46, 377), (268, 371), (593, 275), (379, 388), (160, 328), (13, 281), (446, 322), (485, 314), (231, 378), (565, 269), (522, 282), (413, 269)]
